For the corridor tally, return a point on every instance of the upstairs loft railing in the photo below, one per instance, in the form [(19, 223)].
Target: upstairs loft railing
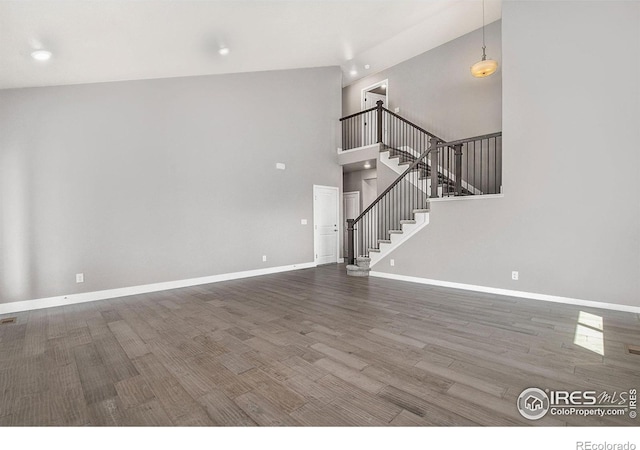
[(360, 129), (378, 125), (471, 166)]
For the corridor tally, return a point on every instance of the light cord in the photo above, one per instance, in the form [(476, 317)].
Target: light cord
[(484, 55)]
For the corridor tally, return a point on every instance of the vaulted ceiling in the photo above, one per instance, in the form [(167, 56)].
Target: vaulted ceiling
[(108, 40)]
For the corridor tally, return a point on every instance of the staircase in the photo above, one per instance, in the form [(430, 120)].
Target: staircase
[(398, 160), (428, 168)]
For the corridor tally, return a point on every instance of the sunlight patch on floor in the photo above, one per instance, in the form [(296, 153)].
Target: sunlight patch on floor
[(590, 333)]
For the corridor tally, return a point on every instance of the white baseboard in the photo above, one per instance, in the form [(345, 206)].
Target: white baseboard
[(509, 292), (357, 149), (465, 198), (63, 300)]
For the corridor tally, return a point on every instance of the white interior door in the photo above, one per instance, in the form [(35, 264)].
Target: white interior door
[(326, 224), (350, 210)]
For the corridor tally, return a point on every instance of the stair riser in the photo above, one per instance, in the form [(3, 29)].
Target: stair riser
[(421, 218), (358, 273)]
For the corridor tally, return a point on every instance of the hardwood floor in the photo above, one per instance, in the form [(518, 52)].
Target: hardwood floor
[(310, 347)]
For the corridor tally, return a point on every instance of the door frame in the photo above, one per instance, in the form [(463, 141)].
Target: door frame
[(373, 86), (315, 227), (386, 103)]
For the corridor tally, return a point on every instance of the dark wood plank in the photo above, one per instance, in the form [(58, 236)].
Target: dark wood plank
[(114, 358), (278, 394), (148, 414), (181, 408), (110, 315), (130, 342), (235, 363), (134, 391), (67, 400), (263, 412), (223, 411), (96, 384), (107, 413)]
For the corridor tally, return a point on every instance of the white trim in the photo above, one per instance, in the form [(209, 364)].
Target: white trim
[(357, 149), (373, 86), (509, 292), (408, 230), (466, 197), (315, 234), (71, 299)]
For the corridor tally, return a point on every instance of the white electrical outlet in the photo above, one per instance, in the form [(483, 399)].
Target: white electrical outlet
[(397, 110), (79, 278), (392, 262), (514, 275), (264, 258), (281, 166), (303, 221)]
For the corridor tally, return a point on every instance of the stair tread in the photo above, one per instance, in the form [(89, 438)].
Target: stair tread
[(395, 231), (407, 221), (377, 250), (384, 241)]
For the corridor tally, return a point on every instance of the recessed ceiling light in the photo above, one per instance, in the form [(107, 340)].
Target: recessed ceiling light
[(384, 86), (367, 165), (41, 55), (224, 51), (367, 66), (353, 73)]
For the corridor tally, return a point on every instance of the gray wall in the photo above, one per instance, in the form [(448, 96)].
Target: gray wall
[(571, 112), (353, 182), (436, 90), (158, 180)]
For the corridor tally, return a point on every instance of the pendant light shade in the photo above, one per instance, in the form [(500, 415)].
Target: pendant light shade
[(484, 67)]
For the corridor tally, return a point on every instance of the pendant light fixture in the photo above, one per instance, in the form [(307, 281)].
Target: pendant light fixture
[(484, 67)]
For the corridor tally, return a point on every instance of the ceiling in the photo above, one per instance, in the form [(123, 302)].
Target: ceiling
[(360, 165), (109, 40)]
